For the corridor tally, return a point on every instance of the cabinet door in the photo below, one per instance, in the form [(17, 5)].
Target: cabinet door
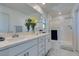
[(30, 52), (41, 46), (48, 43), (33, 51), (25, 53)]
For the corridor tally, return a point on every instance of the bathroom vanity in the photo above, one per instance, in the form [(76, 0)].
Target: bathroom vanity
[(26, 45)]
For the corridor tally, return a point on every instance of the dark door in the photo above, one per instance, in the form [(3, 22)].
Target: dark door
[(54, 35)]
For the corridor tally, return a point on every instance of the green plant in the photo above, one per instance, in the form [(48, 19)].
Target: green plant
[(28, 23), (33, 26), (31, 22)]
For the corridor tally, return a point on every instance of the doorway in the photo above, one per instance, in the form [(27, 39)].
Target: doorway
[(54, 35)]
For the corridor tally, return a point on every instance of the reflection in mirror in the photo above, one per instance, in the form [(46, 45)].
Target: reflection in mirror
[(44, 22), (18, 29), (4, 22)]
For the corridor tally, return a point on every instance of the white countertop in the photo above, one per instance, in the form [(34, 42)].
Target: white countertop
[(9, 41)]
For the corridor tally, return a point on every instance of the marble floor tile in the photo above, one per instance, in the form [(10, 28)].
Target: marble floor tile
[(57, 50)]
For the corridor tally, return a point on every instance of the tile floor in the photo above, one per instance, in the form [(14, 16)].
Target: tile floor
[(57, 50)]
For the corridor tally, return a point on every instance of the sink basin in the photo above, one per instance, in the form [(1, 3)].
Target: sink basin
[(10, 39), (14, 38), (15, 35), (2, 38)]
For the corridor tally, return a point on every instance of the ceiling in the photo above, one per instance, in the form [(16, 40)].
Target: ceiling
[(56, 9), (22, 7)]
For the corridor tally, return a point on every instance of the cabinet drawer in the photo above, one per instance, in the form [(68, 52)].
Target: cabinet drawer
[(48, 44), (41, 45), (30, 52), (17, 49), (48, 36), (42, 49), (4, 53), (48, 40), (42, 53), (41, 39)]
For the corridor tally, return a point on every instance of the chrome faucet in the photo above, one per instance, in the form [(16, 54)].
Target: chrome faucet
[(15, 35)]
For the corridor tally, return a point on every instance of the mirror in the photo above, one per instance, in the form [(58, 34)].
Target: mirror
[(6, 24), (12, 25), (13, 22)]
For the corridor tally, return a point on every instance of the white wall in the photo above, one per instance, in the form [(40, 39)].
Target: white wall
[(76, 15), (63, 25), (16, 17)]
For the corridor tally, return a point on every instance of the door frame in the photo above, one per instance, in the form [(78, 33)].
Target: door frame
[(75, 41)]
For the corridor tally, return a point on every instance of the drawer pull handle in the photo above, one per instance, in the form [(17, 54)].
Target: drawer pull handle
[(26, 54)]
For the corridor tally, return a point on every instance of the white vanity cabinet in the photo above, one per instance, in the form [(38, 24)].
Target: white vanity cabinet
[(17, 49), (38, 46)]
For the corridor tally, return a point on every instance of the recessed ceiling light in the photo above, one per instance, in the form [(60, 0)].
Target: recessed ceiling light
[(59, 13), (43, 3)]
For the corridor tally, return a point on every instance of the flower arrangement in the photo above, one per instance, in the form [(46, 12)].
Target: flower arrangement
[(31, 22)]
